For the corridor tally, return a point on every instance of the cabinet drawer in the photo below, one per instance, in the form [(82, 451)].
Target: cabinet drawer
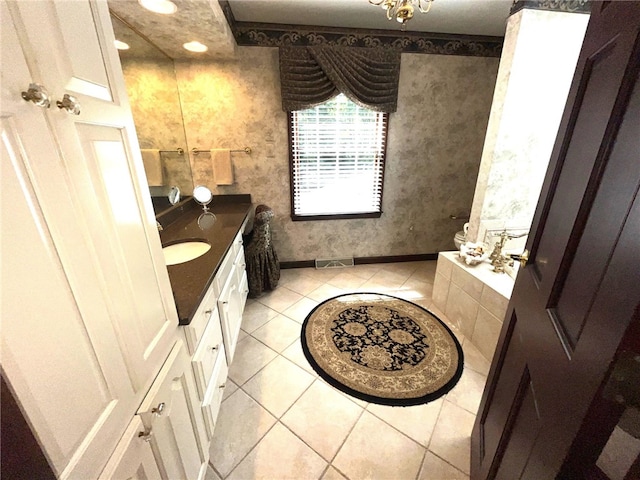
[(238, 243), (213, 397), (239, 265), (206, 311), (230, 309), (207, 353), (223, 272)]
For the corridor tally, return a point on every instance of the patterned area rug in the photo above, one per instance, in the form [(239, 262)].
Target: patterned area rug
[(382, 349)]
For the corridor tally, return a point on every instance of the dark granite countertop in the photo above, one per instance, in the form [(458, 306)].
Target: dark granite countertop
[(190, 280)]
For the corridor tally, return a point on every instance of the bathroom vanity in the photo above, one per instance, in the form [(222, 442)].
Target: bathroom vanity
[(210, 292)]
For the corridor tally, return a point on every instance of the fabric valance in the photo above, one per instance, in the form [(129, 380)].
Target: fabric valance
[(312, 75)]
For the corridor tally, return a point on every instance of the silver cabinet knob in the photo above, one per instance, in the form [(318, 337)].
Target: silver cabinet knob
[(214, 348), (37, 94), (159, 409), (145, 435), (70, 104), (222, 385)]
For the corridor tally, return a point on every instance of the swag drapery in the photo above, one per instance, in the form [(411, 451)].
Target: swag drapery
[(312, 75)]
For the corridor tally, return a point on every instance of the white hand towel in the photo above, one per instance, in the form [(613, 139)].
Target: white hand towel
[(222, 168), (152, 166)]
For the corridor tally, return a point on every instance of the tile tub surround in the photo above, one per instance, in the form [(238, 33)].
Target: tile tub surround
[(474, 299)]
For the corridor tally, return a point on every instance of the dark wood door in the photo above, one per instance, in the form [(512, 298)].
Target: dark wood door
[(576, 298)]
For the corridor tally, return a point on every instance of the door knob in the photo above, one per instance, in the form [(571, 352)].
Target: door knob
[(70, 104), (37, 94), (523, 258)]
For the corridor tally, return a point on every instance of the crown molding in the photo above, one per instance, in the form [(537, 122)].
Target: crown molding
[(567, 6), (280, 35)]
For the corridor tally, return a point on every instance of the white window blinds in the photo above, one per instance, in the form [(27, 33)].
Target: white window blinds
[(337, 155)]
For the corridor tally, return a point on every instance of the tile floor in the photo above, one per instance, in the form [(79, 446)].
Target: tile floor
[(279, 420)]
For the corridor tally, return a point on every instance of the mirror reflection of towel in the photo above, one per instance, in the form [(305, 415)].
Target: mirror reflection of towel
[(152, 166), (222, 168)]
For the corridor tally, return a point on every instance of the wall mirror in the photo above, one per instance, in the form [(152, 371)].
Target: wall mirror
[(155, 103)]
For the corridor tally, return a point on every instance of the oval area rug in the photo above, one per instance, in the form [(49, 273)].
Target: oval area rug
[(382, 349)]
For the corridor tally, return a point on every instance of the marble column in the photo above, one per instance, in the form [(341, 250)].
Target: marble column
[(539, 56)]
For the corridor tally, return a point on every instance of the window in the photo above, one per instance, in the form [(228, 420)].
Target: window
[(337, 161)]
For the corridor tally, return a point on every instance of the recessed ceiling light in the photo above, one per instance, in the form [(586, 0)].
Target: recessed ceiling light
[(195, 47), (121, 45), (165, 7)]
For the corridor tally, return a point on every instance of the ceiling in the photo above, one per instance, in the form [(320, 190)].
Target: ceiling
[(204, 20), (472, 17)]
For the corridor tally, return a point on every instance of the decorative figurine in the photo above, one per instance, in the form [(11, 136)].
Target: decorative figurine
[(263, 267)]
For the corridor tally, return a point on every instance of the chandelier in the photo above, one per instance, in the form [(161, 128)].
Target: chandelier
[(402, 10)]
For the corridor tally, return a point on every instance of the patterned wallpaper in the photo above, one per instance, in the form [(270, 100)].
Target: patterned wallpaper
[(433, 154)]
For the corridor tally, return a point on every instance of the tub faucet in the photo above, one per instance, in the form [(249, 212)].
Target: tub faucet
[(499, 260)]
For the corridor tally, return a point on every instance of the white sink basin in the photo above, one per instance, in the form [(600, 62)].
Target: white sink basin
[(184, 251)]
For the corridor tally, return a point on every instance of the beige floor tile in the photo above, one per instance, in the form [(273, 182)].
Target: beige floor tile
[(365, 271), (405, 269), (280, 299), (387, 279), (211, 474), (389, 454), (333, 474), (229, 388), (435, 468), (468, 391), (473, 359), (278, 333), (451, 437), (416, 422), (250, 356), (299, 310), (277, 386), (242, 335), (290, 275), (355, 400), (305, 284), (241, 424), (413, 290), (423, 302), (322, 418), (426, 272), (294, 353), (280, 455), (346, 281), (322, 274), (325, 292), (255, 315)]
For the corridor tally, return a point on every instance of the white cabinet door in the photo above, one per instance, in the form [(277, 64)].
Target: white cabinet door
[(78, 347), (133, 458), (171, 413), (70, 50)]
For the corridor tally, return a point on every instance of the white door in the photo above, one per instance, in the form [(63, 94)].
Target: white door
[(69, 49), (77, 350)]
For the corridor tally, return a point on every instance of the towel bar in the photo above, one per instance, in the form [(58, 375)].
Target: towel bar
[(196, 151)]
